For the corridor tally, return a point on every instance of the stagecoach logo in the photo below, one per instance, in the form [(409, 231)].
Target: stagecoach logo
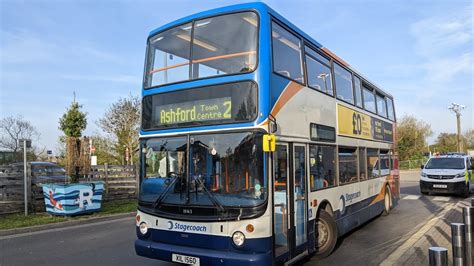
[(347, 198), (185, 227)]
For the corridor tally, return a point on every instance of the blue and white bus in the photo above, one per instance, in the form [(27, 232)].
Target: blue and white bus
[(258, 145)]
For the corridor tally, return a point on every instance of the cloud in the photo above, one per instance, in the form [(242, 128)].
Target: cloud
[(21, 47), (444, 70), (27, 47), (440, 72), (437, 36)]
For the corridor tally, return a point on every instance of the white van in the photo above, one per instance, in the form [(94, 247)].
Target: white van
[(447, 174)]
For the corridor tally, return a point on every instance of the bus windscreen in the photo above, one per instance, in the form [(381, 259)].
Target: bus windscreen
[(218, 104)]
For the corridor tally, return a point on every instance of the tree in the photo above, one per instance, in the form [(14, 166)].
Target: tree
[(122, 123), (103, 151), (73, 121), (469, 139), (446, 142), (13, 129), (411, 137)]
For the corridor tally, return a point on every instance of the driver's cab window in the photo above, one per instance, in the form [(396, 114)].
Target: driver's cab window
[(165, 163)]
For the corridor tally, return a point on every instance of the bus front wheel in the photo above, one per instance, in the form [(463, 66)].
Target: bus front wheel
[(326, 238)]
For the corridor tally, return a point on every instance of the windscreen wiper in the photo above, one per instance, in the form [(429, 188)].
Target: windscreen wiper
[(175, 177), (212, 197)]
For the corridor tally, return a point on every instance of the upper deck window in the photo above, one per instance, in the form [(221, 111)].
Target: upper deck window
[(319, 71), (286, 54), (221, 45), (343, 84), (391, 113), (357, 92), (381, 105), (369, 100)]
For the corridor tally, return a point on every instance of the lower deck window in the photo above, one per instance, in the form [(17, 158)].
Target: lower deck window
[(347, 165), (372, 165), (362, 167), (322, 166)]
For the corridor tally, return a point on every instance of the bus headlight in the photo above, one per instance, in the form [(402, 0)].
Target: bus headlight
[(143, 228), (238, 238)]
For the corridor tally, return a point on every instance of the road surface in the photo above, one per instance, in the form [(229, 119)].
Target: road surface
[(111, 242)]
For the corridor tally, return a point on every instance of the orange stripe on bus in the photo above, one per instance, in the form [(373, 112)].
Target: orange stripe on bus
[(380, 196), (337, 58), (291, 90)]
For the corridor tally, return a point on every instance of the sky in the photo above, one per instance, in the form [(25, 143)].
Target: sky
[(420, 51)]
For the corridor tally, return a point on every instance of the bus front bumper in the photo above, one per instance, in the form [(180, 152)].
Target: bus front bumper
[(162, 251)]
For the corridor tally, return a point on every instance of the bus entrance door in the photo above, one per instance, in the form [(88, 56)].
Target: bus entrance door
[(289, 200)]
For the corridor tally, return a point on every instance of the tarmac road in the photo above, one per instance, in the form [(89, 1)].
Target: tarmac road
[(111, 242)]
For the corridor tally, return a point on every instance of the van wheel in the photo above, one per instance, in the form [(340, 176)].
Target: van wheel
[(326, 237), (387, 202)]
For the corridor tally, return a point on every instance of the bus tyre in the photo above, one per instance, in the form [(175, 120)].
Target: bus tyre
[(326, 234), (387, 202)]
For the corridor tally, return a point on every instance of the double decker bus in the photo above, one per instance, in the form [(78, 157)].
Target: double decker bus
[(258, 145)]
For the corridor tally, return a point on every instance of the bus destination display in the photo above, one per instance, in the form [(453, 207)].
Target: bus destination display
[(194, 111), (356, 124)]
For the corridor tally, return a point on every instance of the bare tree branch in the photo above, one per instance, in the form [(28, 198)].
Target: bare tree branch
[(13, 129)]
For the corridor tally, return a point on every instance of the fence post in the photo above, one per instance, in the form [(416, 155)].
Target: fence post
[(438, 256), (106, 173), (468, 219), (458, 243), (30, 194)]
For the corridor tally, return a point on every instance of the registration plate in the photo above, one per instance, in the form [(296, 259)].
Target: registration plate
[(440, 186), (185, 259)]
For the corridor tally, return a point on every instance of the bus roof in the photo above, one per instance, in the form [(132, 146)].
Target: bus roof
[(261, 8)]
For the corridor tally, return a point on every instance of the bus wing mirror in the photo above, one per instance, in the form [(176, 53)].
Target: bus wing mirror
[(269, 143)]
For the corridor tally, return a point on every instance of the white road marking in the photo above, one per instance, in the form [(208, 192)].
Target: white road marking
[(442, 199), (398, 253), (412, 197)]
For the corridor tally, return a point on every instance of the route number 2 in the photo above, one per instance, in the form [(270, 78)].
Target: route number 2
[(228, 106)]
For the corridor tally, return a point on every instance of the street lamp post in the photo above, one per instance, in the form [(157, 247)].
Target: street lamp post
[(457, 108), (26, 144), (323, 76)]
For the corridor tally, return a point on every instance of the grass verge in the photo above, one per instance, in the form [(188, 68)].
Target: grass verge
[(19, 220)]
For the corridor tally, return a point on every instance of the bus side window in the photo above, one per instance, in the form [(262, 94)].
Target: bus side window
[(362, 166), (347, 165), (322, 165), (384, 163), (373, 164)]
